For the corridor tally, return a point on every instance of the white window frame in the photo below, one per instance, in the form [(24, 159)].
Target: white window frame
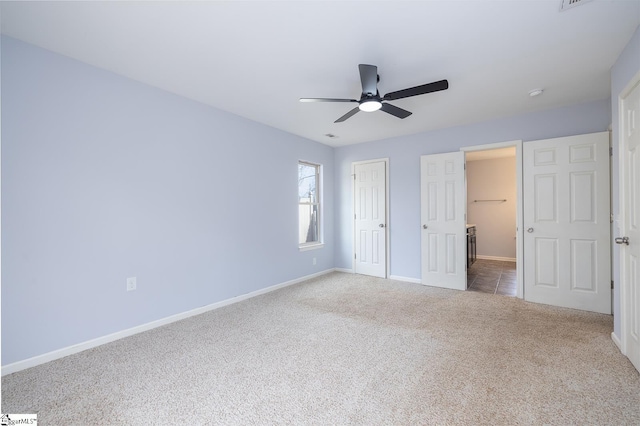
[(319, 202)]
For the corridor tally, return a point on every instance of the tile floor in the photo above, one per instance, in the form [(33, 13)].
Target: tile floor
[(492, 276)]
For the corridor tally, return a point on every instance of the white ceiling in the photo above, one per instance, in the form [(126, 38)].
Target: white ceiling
[(255, 59)]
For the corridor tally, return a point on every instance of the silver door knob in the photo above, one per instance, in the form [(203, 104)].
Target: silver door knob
[(381, 225), (424, 226), (622, 240), (530, 230)]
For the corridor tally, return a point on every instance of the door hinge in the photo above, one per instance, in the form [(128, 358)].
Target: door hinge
[(610, 151), (354, 256), (354, 176), (611, 284), (611, 218), (354, 216)]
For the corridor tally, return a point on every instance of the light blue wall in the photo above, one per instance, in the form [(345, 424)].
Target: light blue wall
[(625, 68), (105, 178), (404, 171)]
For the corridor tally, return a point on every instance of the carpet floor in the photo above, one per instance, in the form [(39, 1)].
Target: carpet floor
[(347, 349)]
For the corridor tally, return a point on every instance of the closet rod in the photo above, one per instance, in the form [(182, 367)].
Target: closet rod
[(479, 201)]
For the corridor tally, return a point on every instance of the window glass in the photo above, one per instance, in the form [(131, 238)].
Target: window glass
[(308, 203)]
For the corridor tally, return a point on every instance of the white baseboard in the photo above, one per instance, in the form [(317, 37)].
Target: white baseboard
[(505, 259), (348, 271), (617, 341), (70, 350), (405, 279)]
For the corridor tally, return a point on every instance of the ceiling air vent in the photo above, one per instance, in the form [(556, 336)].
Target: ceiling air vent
[(568, 4)]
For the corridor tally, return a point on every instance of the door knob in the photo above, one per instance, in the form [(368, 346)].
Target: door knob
[(424, 226), (381, 225), (622, 240), (530, 230)]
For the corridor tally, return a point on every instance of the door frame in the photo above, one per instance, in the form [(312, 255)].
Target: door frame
[(387, 267), (519, 204), (625, 319)]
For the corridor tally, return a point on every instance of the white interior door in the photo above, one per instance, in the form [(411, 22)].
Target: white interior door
[(630, 239), (566, 219), (443, 211), (370, 219)]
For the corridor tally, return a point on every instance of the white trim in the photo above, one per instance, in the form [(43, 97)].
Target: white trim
[(504, 259), (346, 270), (520, 220), (616, 341), (519, 205), (309, 246), (405, 279), (490, 146), (387, 217), (79, 347)]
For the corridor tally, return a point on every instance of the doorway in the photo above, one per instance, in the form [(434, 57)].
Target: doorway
[(491, 221), (494, 214)]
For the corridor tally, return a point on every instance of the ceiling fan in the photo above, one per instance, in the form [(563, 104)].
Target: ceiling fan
[(371, 101)]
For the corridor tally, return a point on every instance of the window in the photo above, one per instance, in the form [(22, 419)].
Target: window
[(309, 204)]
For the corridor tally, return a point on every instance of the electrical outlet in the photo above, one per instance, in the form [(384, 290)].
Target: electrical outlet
[(131, 283), (314, 260)]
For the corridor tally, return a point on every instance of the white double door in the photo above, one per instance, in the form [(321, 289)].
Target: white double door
[(566, 217)]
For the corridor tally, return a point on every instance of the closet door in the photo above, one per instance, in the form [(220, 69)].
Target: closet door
[(370, 219)]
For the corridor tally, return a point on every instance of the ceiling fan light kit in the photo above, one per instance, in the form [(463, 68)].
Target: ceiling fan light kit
[(370, 105), (370, 100)]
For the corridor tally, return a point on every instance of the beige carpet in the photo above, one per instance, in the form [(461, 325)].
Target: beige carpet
[(347, 349)]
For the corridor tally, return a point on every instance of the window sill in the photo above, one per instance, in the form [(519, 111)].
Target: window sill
[(311, 246)]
